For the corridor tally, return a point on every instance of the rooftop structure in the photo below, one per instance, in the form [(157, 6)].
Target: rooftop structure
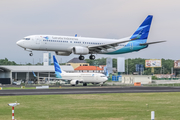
[(8, 74), (75, 62)]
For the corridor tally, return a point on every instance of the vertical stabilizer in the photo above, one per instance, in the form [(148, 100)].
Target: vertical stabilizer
[(106, 71), (34, 74), (57, 68), (143, 30)]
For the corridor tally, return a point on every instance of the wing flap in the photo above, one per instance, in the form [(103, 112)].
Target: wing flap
[(98, 48)]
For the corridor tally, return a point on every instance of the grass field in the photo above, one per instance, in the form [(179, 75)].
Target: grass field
[(13, 88), (117, 106)]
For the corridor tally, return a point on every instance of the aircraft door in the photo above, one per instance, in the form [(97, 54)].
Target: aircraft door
[(38, 40), (45, 42)]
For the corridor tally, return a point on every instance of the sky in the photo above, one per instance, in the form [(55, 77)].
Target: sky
[(89, 18)]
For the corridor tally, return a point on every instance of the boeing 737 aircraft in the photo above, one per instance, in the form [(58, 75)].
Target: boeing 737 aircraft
[(65, 45), (75, 78)]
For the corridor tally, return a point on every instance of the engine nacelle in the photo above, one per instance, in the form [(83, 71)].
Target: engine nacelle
[(80, 50), (62, 53), (74, 82)]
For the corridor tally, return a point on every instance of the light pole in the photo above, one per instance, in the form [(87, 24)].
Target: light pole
[(127, 66), (13, 105), (96, 64)]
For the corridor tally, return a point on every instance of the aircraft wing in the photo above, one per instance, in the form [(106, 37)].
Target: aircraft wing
[(152, 43), (98, 48)]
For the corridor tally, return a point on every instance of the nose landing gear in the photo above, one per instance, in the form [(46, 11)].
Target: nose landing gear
[(31, 54)]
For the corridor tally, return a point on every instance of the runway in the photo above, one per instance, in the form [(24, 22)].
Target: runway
[(88, 90)]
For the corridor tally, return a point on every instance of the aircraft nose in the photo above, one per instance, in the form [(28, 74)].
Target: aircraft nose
[(20, 43), (106, 79)]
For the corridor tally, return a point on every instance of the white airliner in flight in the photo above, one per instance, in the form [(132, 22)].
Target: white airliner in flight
[(75, 78), (66, 45)]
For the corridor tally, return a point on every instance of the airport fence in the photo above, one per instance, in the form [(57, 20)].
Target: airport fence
[(163, 85), (154, 83)]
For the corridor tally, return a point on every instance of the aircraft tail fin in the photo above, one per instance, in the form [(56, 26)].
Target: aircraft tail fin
[(142, 32), (57, 68), (106, 71), (34, 74)]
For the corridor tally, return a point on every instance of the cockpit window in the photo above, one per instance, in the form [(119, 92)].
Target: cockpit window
[(26, 38), (103, 76)]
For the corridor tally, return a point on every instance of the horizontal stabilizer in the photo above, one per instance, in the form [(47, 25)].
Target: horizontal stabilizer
[(152, 43)]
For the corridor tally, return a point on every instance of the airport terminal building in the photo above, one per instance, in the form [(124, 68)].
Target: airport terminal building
[(8, 74)]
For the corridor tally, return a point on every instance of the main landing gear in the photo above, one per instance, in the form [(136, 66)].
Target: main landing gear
[(92, 57), (84, 84), (81, 57)]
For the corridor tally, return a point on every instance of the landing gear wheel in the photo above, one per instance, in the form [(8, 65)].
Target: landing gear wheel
[(92, 57), (84, 84), (30, 54), (81, 57)]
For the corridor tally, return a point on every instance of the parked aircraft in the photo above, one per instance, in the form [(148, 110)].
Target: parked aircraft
[(75, 78), (66, 45)]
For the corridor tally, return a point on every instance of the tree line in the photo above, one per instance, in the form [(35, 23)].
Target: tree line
[(130, 65), (7, 62)]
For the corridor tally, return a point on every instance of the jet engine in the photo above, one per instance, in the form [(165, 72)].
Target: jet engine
[(62, 53), (80, 50), (74, 82)]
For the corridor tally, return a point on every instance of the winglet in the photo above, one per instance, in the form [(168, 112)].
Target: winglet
[(143, 30), (57, 68)]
